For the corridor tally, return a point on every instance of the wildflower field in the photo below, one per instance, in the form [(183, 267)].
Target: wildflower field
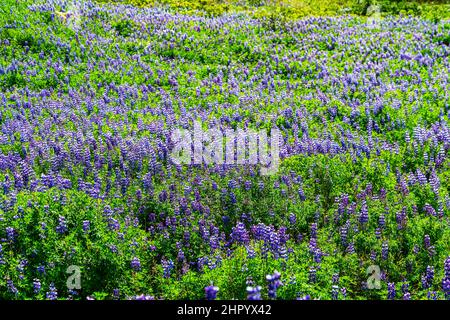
[(93, 206)]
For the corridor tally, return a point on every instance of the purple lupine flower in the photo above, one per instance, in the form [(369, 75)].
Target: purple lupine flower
[(428, 277), (364, 215), (446, 280), (384, 250), (11, 288), (391, 291), (343, 231), (373, 255), (421, 177), (41, 269), (143, 297), (211, 292), (116, 294), (233, 198), (168, 266), (73, 293), (313, 230), (344, 292), (2, 261), (61, 228), (430, 210), (312, 245), (135, 264), (239, 234), (301, 194), (180, 256), (405, 288), (334, 292), (86, 225), (427, 241), (401, 219), (11, 233), (312, 275), (254, 293), (261, 185), (382, 221), (351, 248), (52, 294), (446, 287), (36, 286), (250, 252), (434, 182), (274, 284), (317, 256), (335, 278), (404, 187), (405, 291), (292, 218), (378, 233)]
